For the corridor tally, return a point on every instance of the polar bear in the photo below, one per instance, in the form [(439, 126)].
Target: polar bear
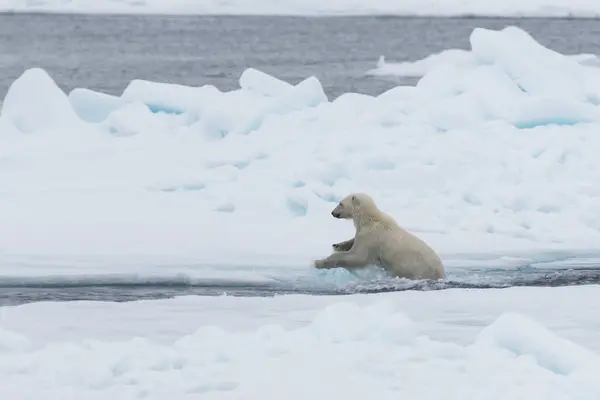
[(380, 241)]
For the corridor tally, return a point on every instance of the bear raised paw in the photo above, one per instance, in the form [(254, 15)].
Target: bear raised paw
[(379, 240)]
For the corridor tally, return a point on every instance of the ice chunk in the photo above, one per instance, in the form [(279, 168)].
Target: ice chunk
[(126, 121), (34, 103), (505, 83), (169, 97), (520, 56), (264, 84), (240, 111), (308, 93), (92, 106), (235, 112), (521, 335), (452, 57), (213, 112), (545, 111)]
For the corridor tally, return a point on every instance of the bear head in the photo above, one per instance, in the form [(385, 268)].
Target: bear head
[(351, 206)]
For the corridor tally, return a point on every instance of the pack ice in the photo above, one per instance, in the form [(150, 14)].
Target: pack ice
[(494, 154), (450, 344)]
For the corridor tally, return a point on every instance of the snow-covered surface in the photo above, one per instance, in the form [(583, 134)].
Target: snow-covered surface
[(491, 156), (514, 8), (493, 161), (494, 344)]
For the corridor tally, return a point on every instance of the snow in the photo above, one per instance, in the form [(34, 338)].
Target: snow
[(494, 155), (455, 344), (513, 8)]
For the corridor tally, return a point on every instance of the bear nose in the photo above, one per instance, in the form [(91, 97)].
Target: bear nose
[(335, 214)]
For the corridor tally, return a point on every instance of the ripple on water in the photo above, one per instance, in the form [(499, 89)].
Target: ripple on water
[(333, 282)]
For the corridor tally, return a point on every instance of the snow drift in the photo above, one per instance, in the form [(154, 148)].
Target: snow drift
[(297, 347)]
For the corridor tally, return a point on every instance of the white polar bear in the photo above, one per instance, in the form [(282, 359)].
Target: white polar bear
[(380, 241)]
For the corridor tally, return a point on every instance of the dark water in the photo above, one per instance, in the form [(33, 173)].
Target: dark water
[(106, 52), (15, 292)]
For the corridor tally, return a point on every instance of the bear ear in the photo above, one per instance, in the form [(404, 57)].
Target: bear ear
[(354, 200)]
